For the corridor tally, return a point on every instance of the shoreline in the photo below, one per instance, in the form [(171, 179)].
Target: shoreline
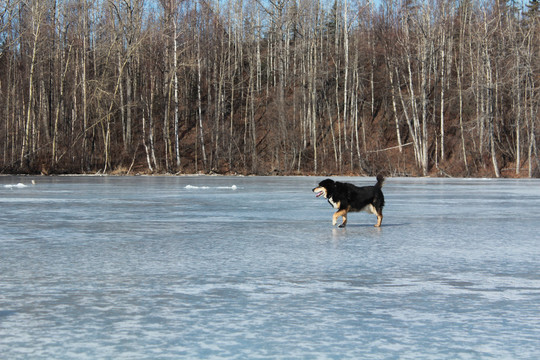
[(261, 175)]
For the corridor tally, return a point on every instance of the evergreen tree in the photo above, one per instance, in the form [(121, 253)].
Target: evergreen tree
[(533, 9), (531, 15), (331, 23)]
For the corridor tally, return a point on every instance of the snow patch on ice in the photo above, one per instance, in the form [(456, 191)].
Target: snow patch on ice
[(193, 187), (190, 187), (15, 186)]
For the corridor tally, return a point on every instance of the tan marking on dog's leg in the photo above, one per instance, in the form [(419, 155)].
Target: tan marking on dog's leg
[(344, 216), (337, 214), (344, 223), (334, 218), (379, 220)]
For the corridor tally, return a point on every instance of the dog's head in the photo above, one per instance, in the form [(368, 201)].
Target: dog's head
[(325, 188)]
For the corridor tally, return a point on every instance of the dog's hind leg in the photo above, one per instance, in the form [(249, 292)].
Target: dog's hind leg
[(337, 214), (379, 219)]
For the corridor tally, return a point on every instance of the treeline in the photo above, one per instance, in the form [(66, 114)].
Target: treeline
[(407, 87)]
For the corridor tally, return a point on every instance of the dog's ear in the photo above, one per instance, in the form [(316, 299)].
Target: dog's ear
[(330, 186), (328, 183)]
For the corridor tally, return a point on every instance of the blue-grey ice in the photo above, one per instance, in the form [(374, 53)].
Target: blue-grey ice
[(251, 268)]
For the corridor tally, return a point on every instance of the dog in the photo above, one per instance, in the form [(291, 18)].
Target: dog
[(347, 198)]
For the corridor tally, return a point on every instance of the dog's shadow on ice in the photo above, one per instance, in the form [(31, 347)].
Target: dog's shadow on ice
[(371, 226)]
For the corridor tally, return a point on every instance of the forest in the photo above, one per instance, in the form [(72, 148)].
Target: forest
[(270, 87)]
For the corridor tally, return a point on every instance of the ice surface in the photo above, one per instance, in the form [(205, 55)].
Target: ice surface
[(180, 267)]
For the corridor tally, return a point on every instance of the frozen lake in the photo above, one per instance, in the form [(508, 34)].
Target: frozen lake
[(251, 268)]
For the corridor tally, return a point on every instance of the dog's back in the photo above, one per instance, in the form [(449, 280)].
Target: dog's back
[(359, 197)]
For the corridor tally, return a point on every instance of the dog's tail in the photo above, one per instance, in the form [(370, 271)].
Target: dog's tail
[(380, 181)]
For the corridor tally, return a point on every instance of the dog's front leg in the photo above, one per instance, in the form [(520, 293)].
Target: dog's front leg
[(337, 214)]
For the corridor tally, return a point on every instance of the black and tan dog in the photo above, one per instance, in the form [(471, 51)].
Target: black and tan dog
[(350, 198)]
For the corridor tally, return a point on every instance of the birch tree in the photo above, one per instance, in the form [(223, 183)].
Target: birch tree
[(37, 14)]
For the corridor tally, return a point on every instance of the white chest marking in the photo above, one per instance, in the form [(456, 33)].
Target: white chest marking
[(333, 203)]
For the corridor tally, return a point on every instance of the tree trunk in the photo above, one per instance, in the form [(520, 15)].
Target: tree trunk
[(37, 14)]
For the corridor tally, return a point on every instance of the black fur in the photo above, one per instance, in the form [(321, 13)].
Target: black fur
[(347, 197)]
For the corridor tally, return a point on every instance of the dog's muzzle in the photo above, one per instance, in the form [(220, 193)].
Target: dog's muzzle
[(318, 191)]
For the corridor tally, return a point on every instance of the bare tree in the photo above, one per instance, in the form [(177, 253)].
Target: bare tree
[(252, 86), (37, 13)]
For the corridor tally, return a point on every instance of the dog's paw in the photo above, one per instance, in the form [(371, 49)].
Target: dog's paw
[(342, 225)]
